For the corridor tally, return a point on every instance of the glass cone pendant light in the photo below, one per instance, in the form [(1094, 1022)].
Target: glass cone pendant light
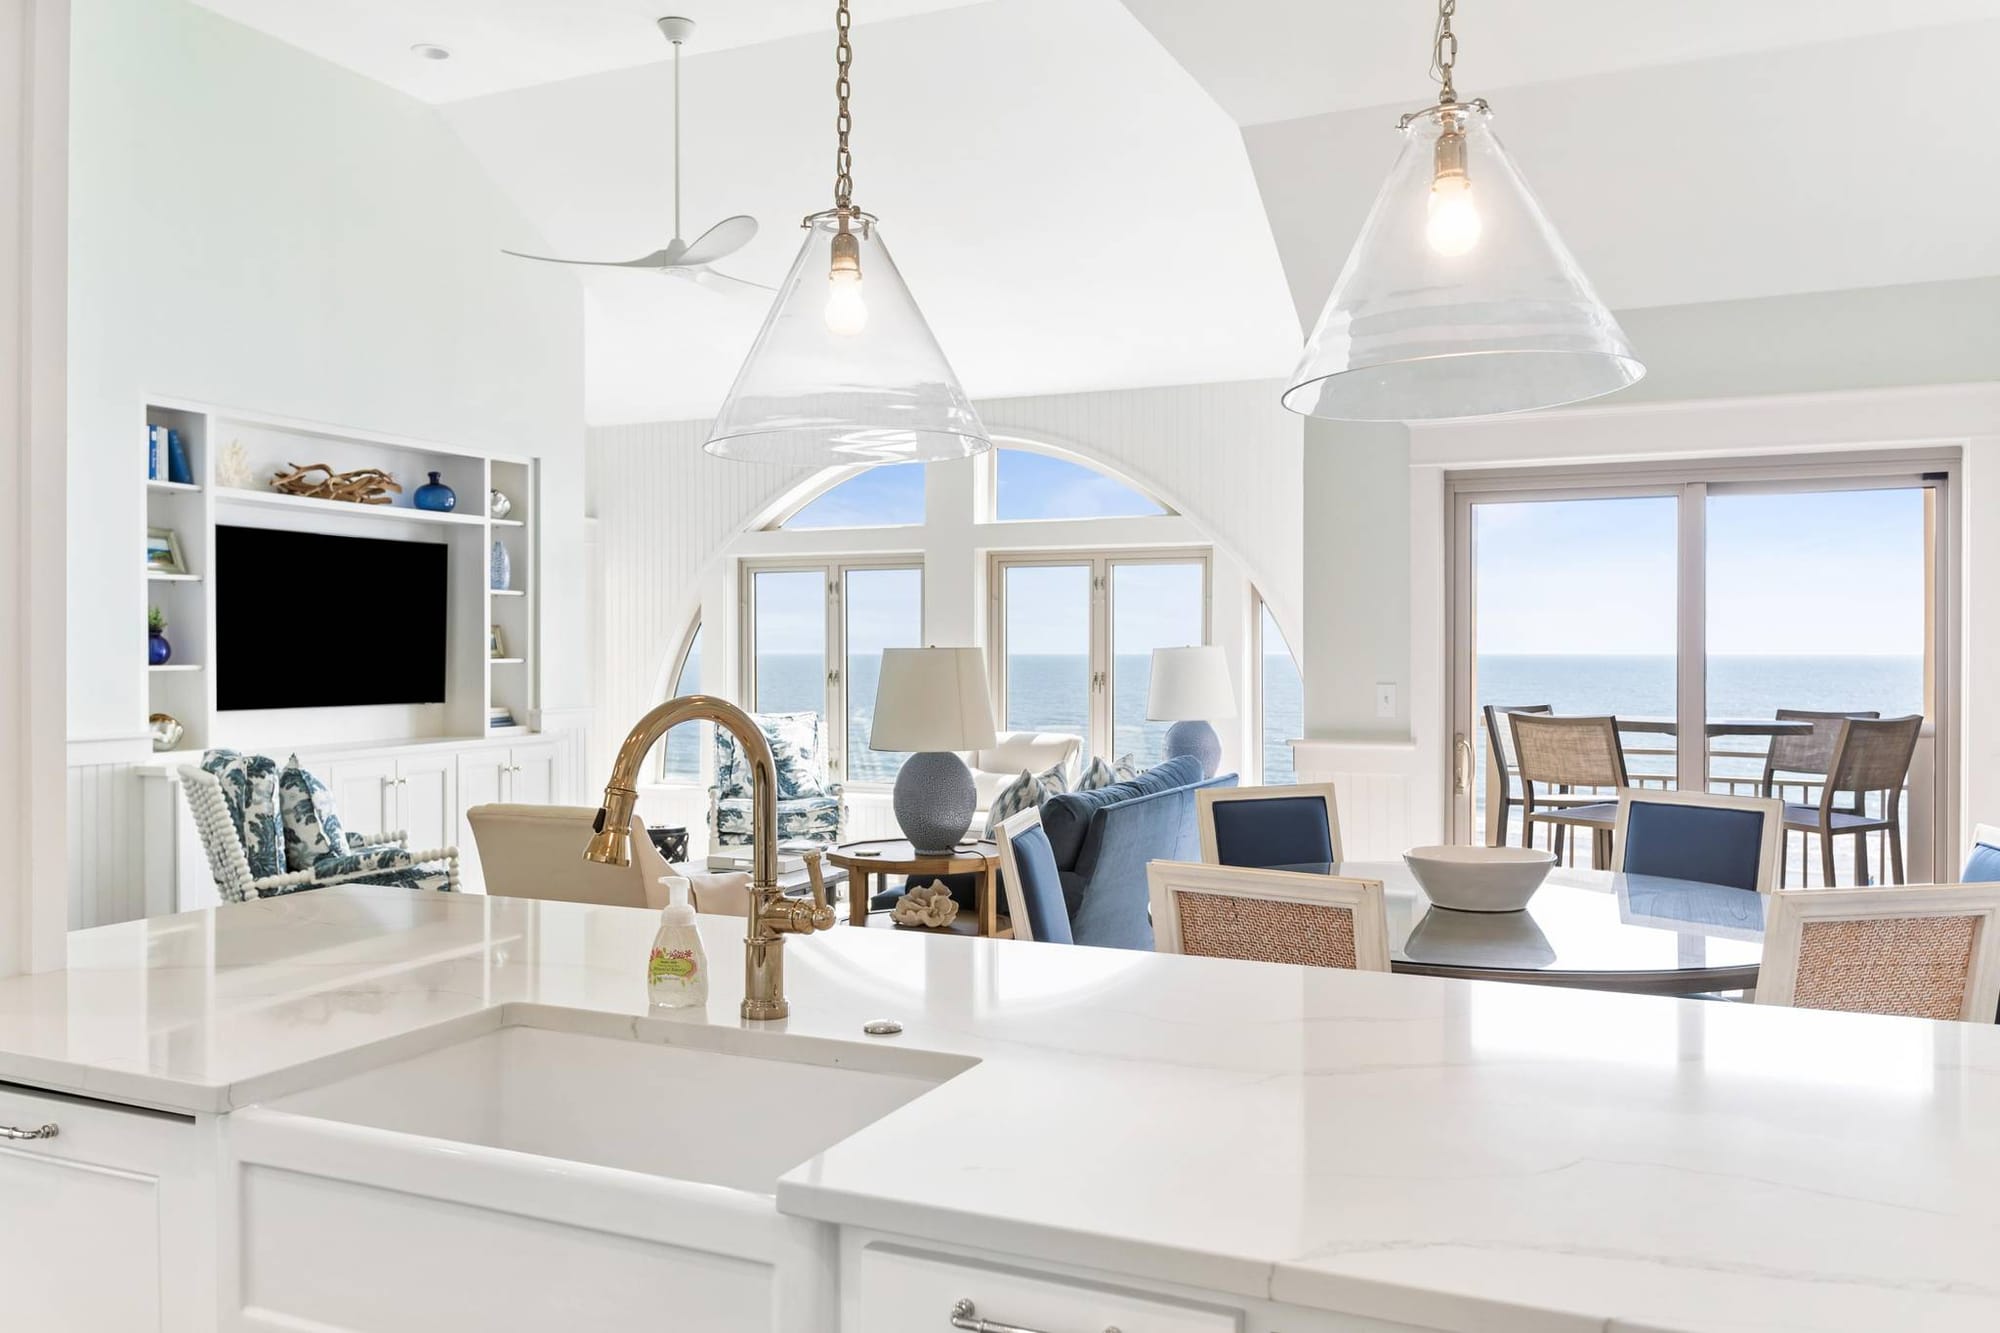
[(1459, 299), (845, 369)]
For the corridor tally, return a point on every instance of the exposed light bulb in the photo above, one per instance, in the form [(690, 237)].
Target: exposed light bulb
[(1453, 226), (846, 312)]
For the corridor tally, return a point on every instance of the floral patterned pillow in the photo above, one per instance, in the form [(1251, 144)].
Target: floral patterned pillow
[(312, 830), (1029, 789), (797, 748), (250, 789)]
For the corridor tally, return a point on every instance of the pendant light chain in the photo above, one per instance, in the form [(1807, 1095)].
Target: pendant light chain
[(1444, 51), (843, 160)]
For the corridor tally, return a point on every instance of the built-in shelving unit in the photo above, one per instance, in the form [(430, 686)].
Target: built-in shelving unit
[(218, 439)]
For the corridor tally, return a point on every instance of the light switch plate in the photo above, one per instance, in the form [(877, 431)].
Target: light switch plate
[(1385, 699)]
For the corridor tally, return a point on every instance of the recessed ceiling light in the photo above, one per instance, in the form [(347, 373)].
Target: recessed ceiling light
[(430, 51)]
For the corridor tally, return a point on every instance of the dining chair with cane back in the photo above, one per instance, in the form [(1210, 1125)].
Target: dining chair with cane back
[(1557, 756)]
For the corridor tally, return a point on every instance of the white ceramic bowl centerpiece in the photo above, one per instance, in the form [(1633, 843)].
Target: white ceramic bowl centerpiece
[(1479, 879)]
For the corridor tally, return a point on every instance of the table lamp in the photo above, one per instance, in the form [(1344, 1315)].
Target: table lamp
[(930, 702), (1190, 688)]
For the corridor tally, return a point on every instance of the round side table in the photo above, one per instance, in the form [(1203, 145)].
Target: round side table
[(883, 857)]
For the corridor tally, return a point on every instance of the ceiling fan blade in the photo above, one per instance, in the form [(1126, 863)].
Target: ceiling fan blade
[(657, 259), (718, 282), (724, 238)]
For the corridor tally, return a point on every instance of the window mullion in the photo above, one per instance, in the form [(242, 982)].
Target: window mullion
[(836, 670), (1691, 641)]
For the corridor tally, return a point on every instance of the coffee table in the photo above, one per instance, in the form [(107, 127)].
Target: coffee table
[(883, 857)]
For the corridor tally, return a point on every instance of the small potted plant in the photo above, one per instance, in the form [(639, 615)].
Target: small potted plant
[(158, 650)]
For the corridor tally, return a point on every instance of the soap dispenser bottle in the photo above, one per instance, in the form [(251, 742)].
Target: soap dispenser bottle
[(677, 971)]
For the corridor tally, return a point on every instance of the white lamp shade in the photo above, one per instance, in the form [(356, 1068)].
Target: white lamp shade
[(932, 699), (1190, 685)]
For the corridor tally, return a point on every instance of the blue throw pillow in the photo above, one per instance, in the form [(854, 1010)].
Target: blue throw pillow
[(1982, 866), (312, 830), (1024, 792), (250, 790), (1101, 774)]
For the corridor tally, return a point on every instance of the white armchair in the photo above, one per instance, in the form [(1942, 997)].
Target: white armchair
[(379, 858), (1012, 753)]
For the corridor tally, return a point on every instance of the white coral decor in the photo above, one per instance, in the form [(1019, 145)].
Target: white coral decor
[(932, 905)]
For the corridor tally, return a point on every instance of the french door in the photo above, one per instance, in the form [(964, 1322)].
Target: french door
[(1693, 603)]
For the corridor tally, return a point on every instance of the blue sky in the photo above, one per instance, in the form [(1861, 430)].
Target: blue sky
[(1831, 572)]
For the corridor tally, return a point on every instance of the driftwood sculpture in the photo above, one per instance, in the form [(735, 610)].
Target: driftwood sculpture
[(364, 486)]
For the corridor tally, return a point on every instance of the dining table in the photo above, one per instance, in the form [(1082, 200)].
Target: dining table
[(1590, 929)]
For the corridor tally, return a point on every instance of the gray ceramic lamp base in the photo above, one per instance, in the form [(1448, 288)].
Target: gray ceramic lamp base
[(934, 801), (1198, 739)]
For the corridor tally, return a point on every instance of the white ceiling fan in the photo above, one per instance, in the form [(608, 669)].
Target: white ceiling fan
[(683, 259)]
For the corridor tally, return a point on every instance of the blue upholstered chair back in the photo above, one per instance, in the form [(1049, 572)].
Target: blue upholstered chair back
[(1273, 831), (1982, 863), (1707, 844), (1040, 886), (1108, 885)]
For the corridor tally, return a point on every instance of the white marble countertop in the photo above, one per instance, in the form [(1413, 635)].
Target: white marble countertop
[(1466, 1156)]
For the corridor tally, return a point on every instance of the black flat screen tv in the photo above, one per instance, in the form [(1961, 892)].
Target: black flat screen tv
[(304, 620)]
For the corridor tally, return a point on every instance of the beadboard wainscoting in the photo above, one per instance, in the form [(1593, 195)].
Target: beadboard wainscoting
[(107, 848), (1386, 799)]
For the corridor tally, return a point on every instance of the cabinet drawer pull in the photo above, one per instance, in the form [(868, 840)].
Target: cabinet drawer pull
[(965, 1317), (48, 1131)]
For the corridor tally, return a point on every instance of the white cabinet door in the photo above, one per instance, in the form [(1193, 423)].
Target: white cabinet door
[(482, 780), (532, 774), (427, 800), (364, 794), (104, 1223)]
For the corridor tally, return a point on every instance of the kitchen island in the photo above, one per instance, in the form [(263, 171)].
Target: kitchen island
[(260, 1106)]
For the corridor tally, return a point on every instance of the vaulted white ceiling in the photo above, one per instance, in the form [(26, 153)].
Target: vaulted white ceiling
[(496, 45), (1096, 194), (1068, 206)]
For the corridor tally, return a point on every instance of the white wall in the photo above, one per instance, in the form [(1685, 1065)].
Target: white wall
[(34, 37), (254, 228), (1225, 455)]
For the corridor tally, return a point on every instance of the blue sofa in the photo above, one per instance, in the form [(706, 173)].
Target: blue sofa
[(1103, 840)]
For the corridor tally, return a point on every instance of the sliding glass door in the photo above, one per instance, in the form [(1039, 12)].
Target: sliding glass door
[(1738, 595)]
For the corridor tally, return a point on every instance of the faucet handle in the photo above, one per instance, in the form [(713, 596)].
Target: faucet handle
[(822, 913)]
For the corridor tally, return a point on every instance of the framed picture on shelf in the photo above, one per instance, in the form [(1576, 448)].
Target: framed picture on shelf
[(496, 643), (163, 552)]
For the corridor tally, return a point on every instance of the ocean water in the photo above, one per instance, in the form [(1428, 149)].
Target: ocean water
[(1044, 693), (1738, 687)]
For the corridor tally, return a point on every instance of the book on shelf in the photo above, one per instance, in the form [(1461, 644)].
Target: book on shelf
[(152, 453), (177, 460)]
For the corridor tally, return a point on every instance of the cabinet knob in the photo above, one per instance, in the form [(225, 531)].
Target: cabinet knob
[(47, 1131)]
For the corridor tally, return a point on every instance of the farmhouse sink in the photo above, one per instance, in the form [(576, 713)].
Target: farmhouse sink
[(641, 1169)]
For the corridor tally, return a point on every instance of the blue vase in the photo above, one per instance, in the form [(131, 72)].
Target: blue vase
[(158, 650), (502, 568), (436, 496)]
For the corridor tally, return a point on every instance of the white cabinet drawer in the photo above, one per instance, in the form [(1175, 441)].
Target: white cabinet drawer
[(897, 1290)]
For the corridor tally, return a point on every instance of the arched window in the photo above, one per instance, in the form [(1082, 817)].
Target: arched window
[(1281, 699), (682, 760), (1029, 484), (881, 497)]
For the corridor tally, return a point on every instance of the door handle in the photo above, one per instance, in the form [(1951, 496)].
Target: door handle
[(965, 1317), (1461, 764)]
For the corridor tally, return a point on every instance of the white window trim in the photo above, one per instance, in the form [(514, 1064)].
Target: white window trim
[(834, 574), (1103, 664), (1690, 483), (1255, 739), (660, 774)]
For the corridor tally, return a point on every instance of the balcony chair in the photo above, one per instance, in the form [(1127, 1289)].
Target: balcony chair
[(1259, 827), (1270, 916), (1871, 757), (270, 831), (811, 807), (1735, 841), (1925, 951), (1558, 755), (1804, 761)]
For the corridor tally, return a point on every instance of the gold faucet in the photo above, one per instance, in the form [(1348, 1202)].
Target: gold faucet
[(772, 915)]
